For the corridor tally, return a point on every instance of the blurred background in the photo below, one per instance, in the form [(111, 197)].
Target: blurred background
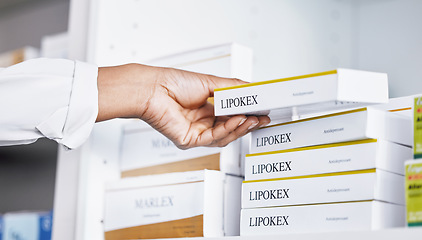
[(27, 173), (287, 38)]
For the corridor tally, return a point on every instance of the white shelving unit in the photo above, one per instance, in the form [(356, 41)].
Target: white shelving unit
[(393, 234), (288, 38)]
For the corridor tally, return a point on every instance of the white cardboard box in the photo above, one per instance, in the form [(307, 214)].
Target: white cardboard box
[(399, 105), (145, 151), (360, 185), (319, 92), (55, 46), (344, 126), (229, 60), (329, 158), (190, 204), (367, 215)]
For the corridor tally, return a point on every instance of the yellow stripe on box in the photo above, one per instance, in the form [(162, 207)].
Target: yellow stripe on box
[(341, 144), (314, 204), (372, 170), (400, 109), (187, 227), (278, 80), (210, 162), (319, 117), (18, 56)]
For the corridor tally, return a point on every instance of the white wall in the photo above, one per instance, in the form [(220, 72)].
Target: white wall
[(25, 24), (288, 37), (390, 40)]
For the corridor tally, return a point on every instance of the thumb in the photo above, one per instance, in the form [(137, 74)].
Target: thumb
[(219, 82)]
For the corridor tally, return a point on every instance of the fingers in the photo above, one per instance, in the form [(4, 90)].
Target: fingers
[(227, 131), (223, 128), (250, 125), (203, 135)]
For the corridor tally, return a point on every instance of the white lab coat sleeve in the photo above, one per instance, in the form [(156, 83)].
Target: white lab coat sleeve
[(53, 98)]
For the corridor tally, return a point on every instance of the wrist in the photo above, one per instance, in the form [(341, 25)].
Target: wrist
[(124, 91)]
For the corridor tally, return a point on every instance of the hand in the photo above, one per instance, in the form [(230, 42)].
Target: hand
[(173, 102)]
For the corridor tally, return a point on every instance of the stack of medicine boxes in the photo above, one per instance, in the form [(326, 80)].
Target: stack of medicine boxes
[(413, 168), (333, 172), (166, 192)]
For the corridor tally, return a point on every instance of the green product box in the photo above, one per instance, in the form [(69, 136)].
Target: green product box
[(417, 127), (414, 192)]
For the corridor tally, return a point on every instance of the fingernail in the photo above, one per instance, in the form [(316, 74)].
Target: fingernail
[(265, 124), (252, 126), (242, 121)]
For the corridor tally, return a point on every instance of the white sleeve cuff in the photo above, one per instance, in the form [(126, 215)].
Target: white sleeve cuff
[(81, 111)]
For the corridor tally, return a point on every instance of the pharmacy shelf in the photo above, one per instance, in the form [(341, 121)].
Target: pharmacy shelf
[(82, 172), (395, 233)]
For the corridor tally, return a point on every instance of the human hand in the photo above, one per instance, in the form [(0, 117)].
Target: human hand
[(172, 101)]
